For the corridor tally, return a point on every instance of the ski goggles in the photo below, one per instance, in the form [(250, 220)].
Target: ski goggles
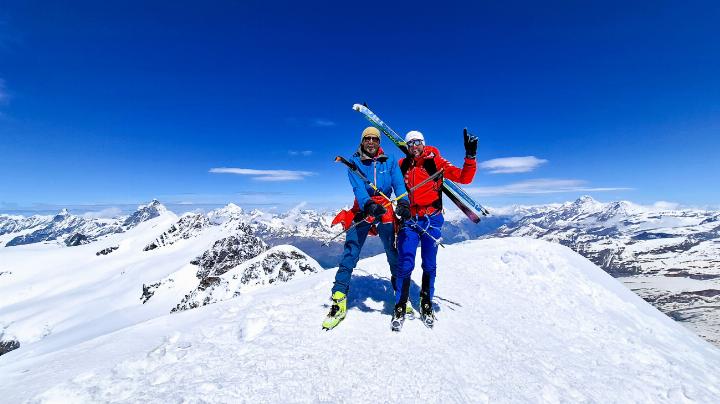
[(371, 138), (415, 142)]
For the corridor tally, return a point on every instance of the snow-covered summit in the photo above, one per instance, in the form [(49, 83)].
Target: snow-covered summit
[(145, 212), (519, 320)]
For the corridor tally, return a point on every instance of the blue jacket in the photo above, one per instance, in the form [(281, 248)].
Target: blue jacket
[(383, 171)]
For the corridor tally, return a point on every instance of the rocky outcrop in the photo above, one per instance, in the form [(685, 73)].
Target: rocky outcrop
[(76, 240), (7, 346), (106, 251), (188, 226), (229, 252), (276, 265)]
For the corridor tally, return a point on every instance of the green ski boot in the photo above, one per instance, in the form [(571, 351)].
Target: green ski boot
[(409, 312), (337, 311)]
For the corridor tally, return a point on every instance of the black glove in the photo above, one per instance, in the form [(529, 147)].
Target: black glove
[(471, 143), (373, 209), (403, 209)]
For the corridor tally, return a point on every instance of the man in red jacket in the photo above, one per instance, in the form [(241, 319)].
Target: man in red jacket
[(424, 226)]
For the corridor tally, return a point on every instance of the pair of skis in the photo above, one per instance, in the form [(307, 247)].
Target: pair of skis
[(460, 198)]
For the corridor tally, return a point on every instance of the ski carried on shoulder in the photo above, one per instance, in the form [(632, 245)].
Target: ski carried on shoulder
[(460, 198), (354, 169)]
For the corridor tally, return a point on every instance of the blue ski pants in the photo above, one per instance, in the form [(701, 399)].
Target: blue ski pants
[(354, 240), (426, 232)]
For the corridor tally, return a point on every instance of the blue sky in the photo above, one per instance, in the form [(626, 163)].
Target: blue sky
[(111, 103)]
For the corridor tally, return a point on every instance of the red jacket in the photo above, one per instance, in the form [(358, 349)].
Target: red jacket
[(428, 198)]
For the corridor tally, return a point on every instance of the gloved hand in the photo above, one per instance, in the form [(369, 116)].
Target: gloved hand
[(403, 209), (471, 143), (373, 208)]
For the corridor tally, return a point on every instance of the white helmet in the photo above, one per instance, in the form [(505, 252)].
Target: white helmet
[(414, 135)]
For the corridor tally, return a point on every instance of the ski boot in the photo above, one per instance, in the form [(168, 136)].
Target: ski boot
[(427, 316), (398, 317), (337, 311), (409, 312)]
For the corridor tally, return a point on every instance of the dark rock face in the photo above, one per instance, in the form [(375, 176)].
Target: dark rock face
[(229, 252), (186, 227), (106, 251), (144, 213), (76, 240), (149, 290), (274, 266), (7, 346)]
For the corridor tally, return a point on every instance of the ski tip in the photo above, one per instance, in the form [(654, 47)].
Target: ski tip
[(357, 107), (338, 159)]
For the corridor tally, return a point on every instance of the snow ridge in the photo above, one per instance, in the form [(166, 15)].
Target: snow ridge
[(520, 320)]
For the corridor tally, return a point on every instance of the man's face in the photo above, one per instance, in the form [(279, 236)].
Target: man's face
[(415, 147), (371, 145)]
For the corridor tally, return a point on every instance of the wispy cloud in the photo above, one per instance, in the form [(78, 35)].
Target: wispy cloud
[(509, 165), (665, 205), (541, 186), (111, 212), (300, 152), (323, 122), (265, 175)]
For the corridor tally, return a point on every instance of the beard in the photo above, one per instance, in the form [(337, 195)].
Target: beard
[(371, 150)]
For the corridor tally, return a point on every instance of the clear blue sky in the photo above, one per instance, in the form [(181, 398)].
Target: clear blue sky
[(106, 102)]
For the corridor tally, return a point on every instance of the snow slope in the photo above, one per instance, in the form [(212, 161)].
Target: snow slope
[(520, 320)]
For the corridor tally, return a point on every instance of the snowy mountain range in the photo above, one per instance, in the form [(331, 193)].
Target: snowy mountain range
[(669, 257), (72, 230)]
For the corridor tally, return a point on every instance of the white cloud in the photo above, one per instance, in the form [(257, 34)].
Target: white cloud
[(540, 186), (104, 213), (323, 122), (265, 175), (665, 205), (508, 165), (300, 152)]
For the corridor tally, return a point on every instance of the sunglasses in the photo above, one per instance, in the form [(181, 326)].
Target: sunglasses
[(416, 142), (371, 139)]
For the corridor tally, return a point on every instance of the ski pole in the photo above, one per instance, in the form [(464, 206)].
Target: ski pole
[(372, 219)]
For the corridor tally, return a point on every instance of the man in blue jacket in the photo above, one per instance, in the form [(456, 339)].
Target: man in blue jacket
[(374, 210)]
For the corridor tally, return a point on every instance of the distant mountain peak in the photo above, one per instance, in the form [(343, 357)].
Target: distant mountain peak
[(144, 213), (585, 199)]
